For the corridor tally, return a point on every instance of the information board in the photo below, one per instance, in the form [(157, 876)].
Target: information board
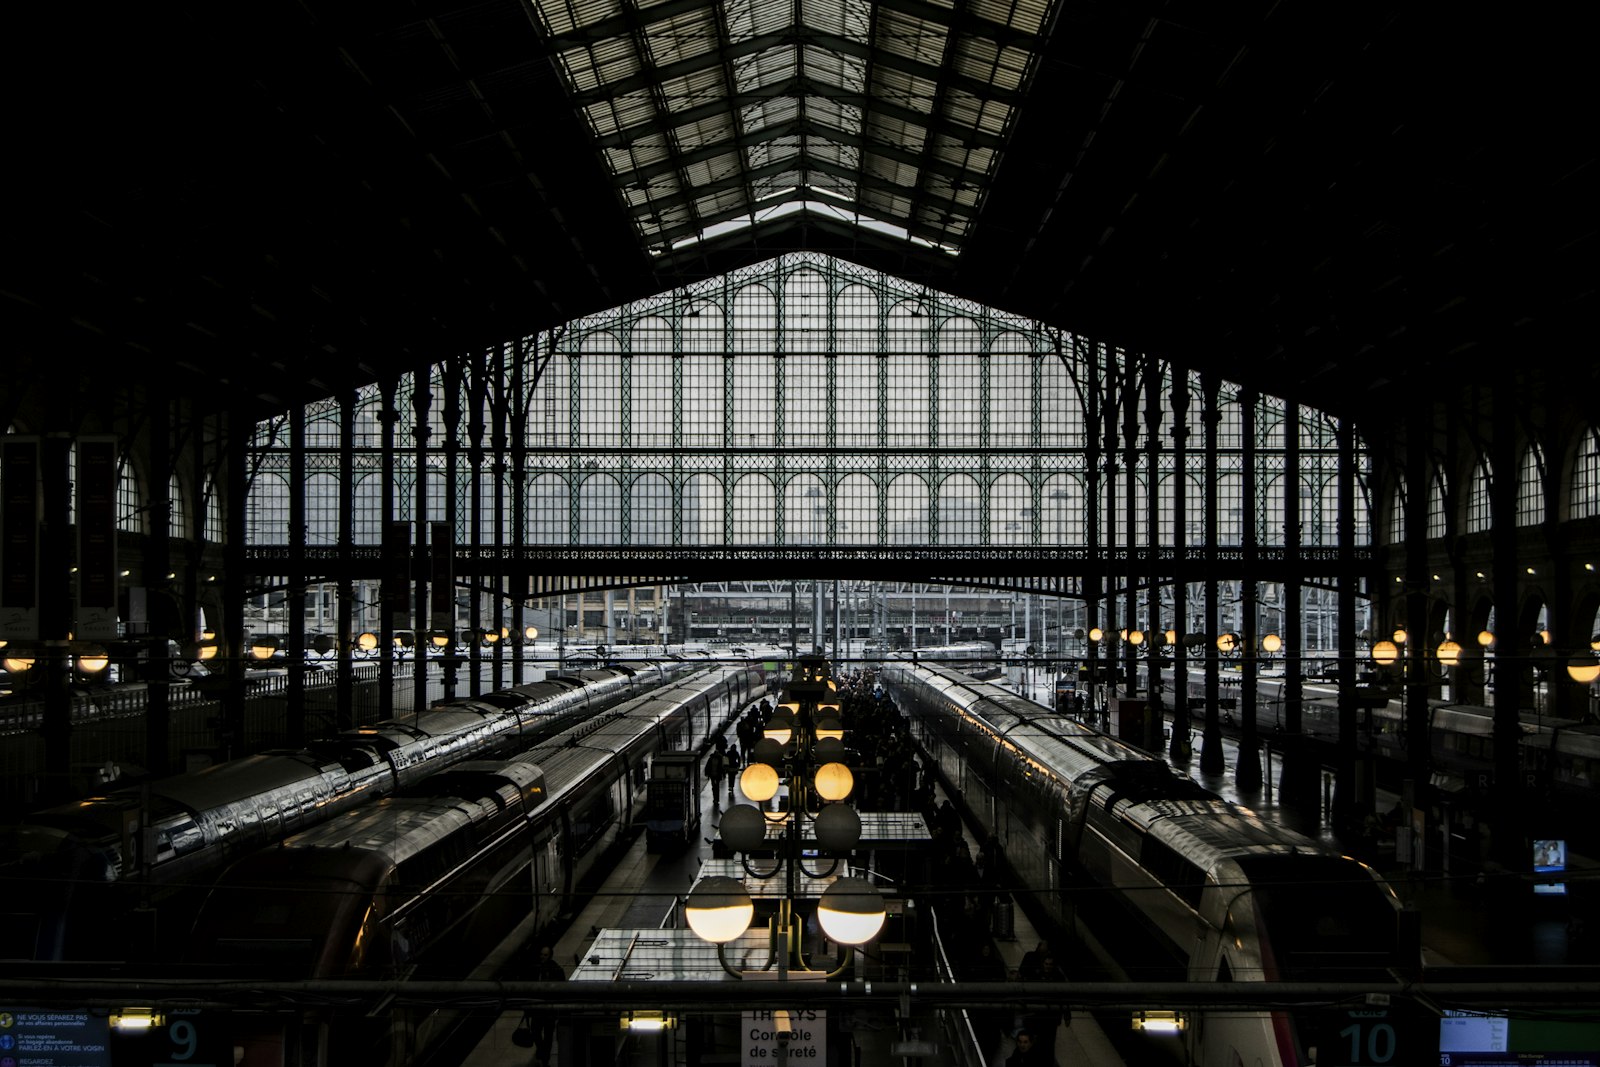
[(798, 1035), (34, 1038)]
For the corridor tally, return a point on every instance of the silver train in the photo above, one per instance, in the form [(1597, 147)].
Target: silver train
[(1181, 884), (1561, 754), (78, 867), (431, 880)]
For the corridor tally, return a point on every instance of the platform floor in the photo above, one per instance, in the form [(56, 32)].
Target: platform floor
[(1457, 924)]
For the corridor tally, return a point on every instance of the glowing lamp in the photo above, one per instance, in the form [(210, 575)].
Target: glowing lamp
[(759, 782), (851, 911), (834, 781), (1584, 672), (719, 909), (1271, 643), (1385, 653), (1449, 653)]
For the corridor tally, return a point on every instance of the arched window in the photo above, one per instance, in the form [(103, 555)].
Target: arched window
[(702, 510), (1531, 486), (651, 511), (755, 502), (1062, 501), (1586, 478), (1479, 511), (549, 503), (267, 511), (908, 511), (368, 505), (600, 511), (129, 516), (961, 511), (177, 524), (857, 510), (215, 526), (1438, 505), (322, 509), (805, 511), (1011, 512), (1397, 515)]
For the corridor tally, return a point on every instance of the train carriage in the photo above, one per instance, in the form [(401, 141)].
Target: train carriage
[(1183, 883)]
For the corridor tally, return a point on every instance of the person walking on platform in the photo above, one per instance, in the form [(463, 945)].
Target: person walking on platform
[(544, 1022), (716, 766), (731, 762), (1030, 1052)]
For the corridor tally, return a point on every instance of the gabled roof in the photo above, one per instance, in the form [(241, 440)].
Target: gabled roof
[(266, 203)]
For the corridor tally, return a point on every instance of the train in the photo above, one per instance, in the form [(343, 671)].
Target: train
[(1177, 883), (1560, 756), (429, 881), (79, 869)]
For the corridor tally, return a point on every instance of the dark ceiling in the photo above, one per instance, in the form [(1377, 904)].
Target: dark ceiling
[(1345, 204)]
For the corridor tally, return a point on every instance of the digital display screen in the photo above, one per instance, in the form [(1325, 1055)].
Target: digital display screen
[(1473, 1039), (1549, 857)]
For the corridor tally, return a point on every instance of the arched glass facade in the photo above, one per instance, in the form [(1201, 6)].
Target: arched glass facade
[(805, 401)]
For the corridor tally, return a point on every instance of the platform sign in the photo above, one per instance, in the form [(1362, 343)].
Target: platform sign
[(1377, 1034), (178, 1039), (795, 1035), (31, 1037)]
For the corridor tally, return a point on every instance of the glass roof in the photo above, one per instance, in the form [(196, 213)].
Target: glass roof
[(715, 114)]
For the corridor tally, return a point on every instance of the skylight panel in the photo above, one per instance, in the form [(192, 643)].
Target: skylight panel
[(840, 18), (1025, 15), (784, 183), (913, 38), (640, 153), (569, 15), (769, 67), (889, 130), (776, 150), (605, 61), (826, 67), (696, 135), (686, 35), (774, 112), (905, 89), (686, 155)]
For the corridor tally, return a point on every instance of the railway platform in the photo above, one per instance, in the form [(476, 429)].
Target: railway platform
[(1460, 918)]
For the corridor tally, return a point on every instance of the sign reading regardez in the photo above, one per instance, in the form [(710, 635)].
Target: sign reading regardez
[(795, 1035)]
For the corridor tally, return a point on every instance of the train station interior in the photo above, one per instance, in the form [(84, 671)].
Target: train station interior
[(474, 445)]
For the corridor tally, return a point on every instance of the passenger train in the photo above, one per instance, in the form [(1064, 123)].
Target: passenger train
[(1181, 883), (1561, 755), (135, 846), (427, 882)]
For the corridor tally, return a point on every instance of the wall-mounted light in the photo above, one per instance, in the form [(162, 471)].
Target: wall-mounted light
[(1158, 1022), (648, 1021), (130, 1019)]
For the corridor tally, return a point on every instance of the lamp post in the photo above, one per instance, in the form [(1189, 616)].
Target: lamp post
[(802, 745)]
